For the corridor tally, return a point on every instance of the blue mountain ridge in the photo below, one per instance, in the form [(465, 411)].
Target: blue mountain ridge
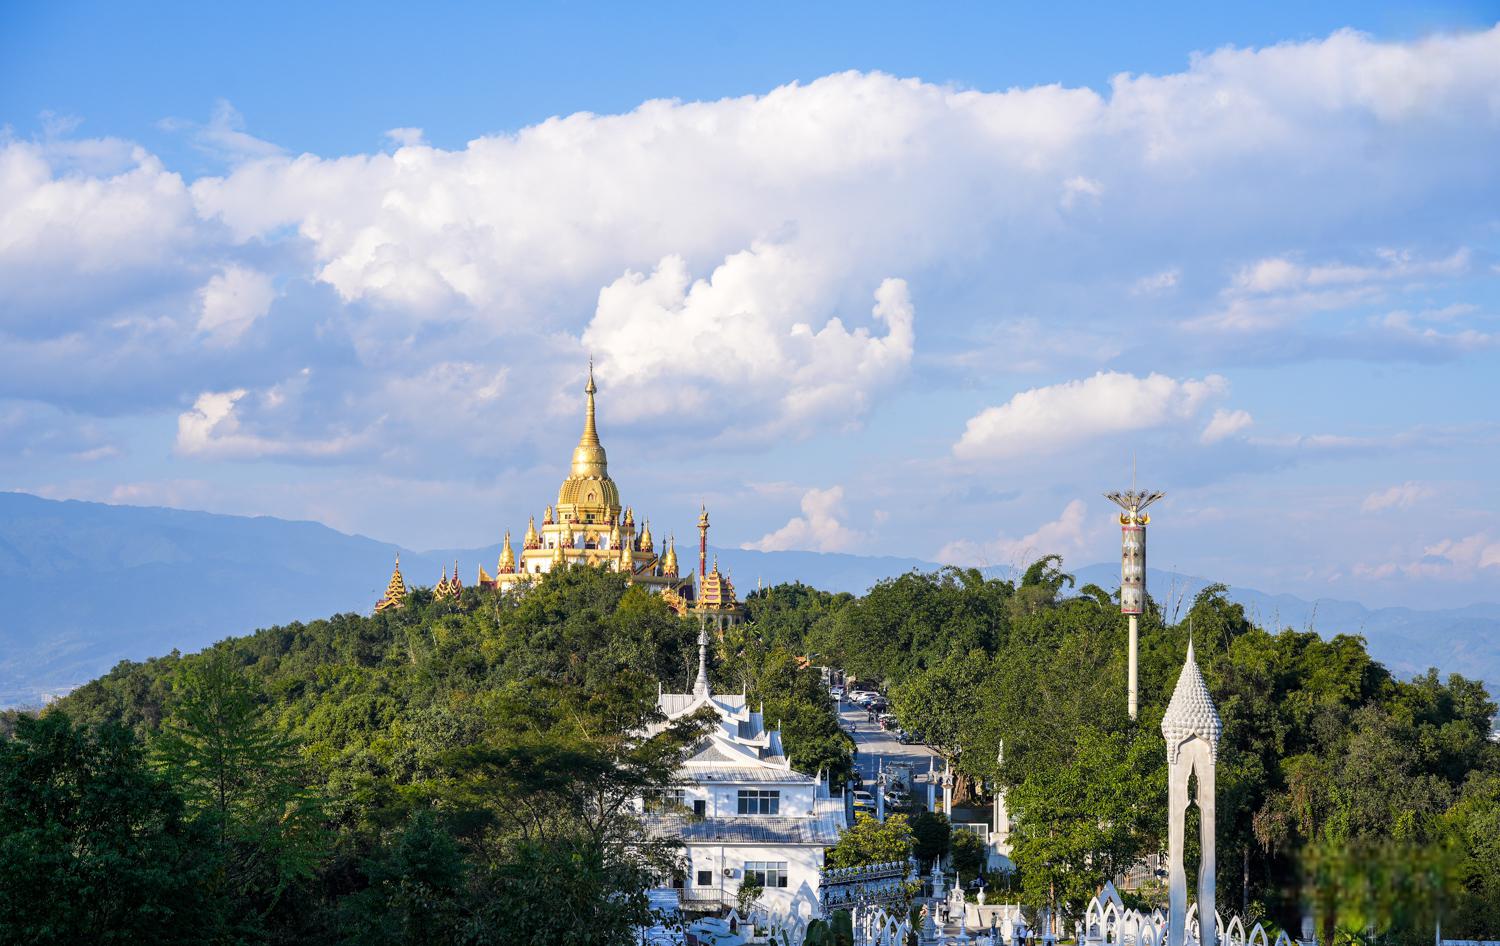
[(91, 584)]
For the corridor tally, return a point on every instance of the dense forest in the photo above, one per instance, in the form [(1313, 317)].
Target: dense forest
[(456, 771)]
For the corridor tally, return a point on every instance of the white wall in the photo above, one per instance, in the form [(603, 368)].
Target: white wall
[(804, 862)]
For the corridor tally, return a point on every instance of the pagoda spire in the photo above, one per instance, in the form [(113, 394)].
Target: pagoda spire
[(700, 686), (590, 431), (588, 456), (507, 563), (395, 590)]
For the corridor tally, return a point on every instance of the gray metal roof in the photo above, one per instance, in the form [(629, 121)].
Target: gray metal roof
[(743, 773), (751, 829)]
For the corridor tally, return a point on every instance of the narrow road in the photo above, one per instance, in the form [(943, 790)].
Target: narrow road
[(877, 747)]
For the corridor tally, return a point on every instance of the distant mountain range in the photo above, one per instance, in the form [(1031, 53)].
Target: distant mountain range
[(88, 585)]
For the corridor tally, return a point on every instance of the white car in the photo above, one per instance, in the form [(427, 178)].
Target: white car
[(837, 693), (863, 800)]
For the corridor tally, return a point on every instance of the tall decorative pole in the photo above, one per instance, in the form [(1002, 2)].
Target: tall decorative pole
[(702, 543), (1133, 568)]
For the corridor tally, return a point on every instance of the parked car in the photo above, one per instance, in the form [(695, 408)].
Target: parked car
[(897, 798), (836, 692), (862, 697), (878, 704), (863, 800), (907, 738)]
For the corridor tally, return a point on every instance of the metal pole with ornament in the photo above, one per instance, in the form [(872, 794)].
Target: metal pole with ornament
[(1133, 522)]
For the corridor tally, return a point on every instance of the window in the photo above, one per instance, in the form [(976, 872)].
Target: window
[(766, 873), (668, 800), (755, 801), (705, 878)]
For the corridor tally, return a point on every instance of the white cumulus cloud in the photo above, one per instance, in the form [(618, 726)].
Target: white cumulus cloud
[(1397, 497), (759, 326), (1225, 424), (818, 529), (231, 301), (1068, 535), (1050, 418), (213, 429)]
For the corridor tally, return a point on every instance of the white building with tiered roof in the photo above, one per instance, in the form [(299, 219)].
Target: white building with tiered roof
[(741, 810)]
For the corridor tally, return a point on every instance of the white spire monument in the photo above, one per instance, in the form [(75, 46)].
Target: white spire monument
[(1191, 728)]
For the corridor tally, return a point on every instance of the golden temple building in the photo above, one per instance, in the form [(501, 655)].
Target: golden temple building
[(589, 525), (395, 591)]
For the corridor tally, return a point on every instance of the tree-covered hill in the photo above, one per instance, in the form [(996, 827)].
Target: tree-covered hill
[(90, 584), (457, 771)]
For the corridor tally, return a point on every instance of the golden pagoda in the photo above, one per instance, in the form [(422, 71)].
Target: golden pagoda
[(716, 602), (395, 591), (588, 525), (442, 590)]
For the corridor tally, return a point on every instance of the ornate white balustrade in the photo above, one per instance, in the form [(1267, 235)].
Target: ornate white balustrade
[(1106, 922)]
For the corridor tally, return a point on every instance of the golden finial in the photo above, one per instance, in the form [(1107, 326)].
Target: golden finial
[(507, 563), (669, 561)]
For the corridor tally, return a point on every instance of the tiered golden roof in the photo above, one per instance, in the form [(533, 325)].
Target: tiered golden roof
[(441, 590), (532, 540), (716, 592), (647, 545), (395, 591), (507, 563)]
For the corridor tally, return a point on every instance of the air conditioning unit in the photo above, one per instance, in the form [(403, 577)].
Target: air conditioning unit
[(731, 872)]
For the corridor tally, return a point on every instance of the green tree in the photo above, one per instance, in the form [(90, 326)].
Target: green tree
[(241, 777), (872, 842), (94, 847), (1092, 817), (749, 891), (968, 854), (931, 836), (416, 893)]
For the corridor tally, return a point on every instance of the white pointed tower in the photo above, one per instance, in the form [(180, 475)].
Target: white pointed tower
[(1191, 728), (700, 686)]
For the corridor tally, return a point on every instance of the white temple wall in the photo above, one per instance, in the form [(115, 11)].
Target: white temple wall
[(797, 801), (727, 862)]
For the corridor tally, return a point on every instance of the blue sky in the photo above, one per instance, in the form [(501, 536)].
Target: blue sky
[(879, 278)]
